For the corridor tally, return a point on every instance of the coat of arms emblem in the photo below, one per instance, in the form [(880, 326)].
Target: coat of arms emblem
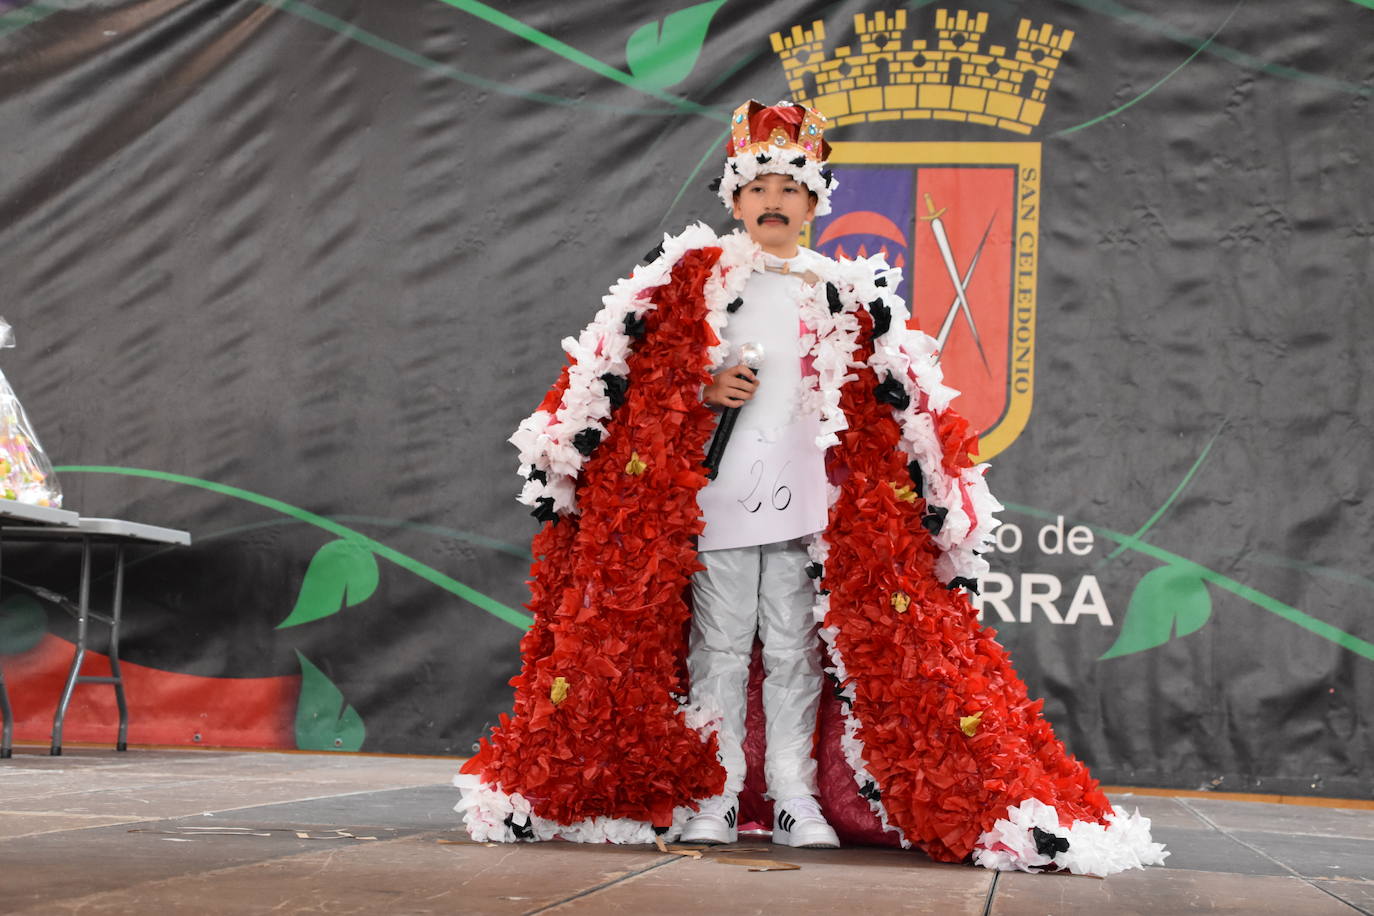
[(961, 219)]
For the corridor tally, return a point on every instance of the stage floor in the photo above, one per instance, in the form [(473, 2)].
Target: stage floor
[(239, 832)]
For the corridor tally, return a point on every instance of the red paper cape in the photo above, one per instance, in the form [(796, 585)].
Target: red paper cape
[(948, 737)]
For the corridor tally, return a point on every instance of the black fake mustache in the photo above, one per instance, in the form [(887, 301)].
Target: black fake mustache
[(774, 216)]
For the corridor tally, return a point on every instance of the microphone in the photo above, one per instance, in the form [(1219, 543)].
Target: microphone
[(750, 355)]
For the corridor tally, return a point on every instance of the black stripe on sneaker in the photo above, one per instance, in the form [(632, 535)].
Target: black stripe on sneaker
[(730, 818), (786, 821)]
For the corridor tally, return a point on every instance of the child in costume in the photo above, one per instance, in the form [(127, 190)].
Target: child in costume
[(767, 498), (609, 739)]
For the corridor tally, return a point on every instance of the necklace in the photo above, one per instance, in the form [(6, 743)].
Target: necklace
[(808, 277)]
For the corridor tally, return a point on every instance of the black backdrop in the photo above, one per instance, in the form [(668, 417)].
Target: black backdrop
[(303, 265)]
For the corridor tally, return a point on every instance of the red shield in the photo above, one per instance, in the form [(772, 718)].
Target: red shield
[(962, 220)]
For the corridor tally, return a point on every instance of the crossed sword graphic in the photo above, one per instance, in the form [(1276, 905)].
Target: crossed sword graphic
[(960, 303)]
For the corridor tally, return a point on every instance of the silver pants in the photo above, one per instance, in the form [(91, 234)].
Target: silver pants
[(764, 589)]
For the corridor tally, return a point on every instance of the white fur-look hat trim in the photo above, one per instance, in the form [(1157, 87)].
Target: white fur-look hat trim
[(740, 170)]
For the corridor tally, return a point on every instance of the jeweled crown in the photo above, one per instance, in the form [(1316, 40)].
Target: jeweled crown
[(755, 129)]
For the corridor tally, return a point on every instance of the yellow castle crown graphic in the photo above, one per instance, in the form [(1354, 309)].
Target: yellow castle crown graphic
[(883, 77)]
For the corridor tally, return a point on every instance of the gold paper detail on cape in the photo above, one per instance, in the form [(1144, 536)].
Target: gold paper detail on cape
[(904, 493), (559, 691)]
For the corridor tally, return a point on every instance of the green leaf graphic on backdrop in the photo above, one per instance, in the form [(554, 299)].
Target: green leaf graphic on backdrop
[(341, 574), (1168, 601), (324, 722), (662, 58), (22, 624)]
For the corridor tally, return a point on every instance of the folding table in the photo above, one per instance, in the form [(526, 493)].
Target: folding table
[(89, 532)]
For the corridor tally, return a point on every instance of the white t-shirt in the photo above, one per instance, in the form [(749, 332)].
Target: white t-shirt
[(771, 484)]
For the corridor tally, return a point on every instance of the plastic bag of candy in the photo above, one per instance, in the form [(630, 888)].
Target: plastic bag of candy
[(25, 472)]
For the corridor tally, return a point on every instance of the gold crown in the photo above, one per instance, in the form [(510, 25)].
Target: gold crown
[(809, 142), (882, 77)]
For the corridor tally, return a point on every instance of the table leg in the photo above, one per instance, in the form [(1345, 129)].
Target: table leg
[(123, 743), (7, 730), (83, 613), (7, 733)]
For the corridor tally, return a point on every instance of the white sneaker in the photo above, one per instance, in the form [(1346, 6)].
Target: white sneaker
[(799, 822), (714, 823)]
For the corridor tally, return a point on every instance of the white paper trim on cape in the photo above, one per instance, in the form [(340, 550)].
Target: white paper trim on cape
[(1094, 849)]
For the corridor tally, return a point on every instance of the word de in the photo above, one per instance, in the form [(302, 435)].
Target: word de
[(1052, 538)]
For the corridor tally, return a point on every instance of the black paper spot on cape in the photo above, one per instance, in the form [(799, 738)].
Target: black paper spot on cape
[(798, 162), (970, 584), (634, 327), (544, 511), (881, 281), (832, 296), (890, 391), (815, 570), (734, 306), (587, 441), (871, 791), (523, 831), (715, 184), (828, 175), (882, 317), (1049, 844), (934, 519), (918, 480), (616, 387), (537, 474), (763, 158), (654, 254)]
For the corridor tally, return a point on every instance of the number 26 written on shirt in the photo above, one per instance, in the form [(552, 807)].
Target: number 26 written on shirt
[(780, 496)]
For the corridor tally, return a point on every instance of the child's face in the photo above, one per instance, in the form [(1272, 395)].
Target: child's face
[(774, 209)]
